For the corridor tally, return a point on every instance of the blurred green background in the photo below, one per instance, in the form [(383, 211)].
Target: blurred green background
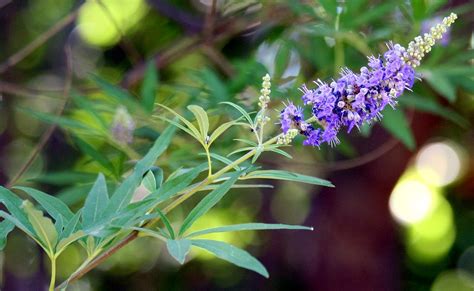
[(402, 214)]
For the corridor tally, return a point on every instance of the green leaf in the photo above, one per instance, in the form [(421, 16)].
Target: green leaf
[(149, 86), (202, 119), (223, 160), (65, 242), (28, 229), (96, 202), (55, 207), (286, 176), (280, 152), (65, 178), (196, 134), (245, 149), (43, 226), (242, 111), (120, 95), (63, 122), (220, 130), (149, 181), (248, 226), (208, 202), (396, 123), (442, 85), (86, 105), (178, 249), (124, 192), (6, 227), (167, 223), (231, 254), (71, 226), (14, 204), (94, 154), (430, 105)]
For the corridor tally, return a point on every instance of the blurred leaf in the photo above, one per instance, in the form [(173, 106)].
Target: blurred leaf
[(215, 84), (442, 85), (6, 227), (192, 130), (369, 15), (248, 226), (202, 119), (149, 86), (208, 202), (231, 254), (430, 105), (65, 123), (281, 59), (120, 95), (178, 249), (85, 104), (396, 123), (241, 110), (53, 206), (95, 155), (96, 202), (43, 227), (419, 9), (286, 176), (64, 178)]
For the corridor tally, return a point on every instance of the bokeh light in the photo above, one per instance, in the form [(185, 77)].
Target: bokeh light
[(439, 163), (102, 25), (411, 201), (453, 280)]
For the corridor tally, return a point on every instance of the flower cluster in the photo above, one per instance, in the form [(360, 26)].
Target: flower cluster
[(356, 98)]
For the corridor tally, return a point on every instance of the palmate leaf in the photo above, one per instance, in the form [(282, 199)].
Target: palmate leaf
[(209, 201), (178, 249), (231, 254), (287, 176), (248, 226)]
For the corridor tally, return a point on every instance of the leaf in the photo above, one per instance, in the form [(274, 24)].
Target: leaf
[(96, 202), (55, 207), (167, 223), (220, 130), (94, 154), (26, 229), (6, 227), (43, 227), (286, 176), (202, 119), (430, 105), (63, 122), (208, 202), (124, 192), (149, 86), (231, 254), (65, 242), (120, 95), (149, 181), (86, 105), (71, 226), (178, 249), (177, 184), (13, 204), (64, 178), (442, 85), (245, 149), (191, 127), (280, 152), (396, 123), (242, 111), (223, 160), (248, 226)]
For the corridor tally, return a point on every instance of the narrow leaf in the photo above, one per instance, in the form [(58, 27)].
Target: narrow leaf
[(396, 123), (149, 86), (64, 243), (242, 111), (231, 254), (43, 226), (220, 130), (96, 202), (287, 176), (202, 119), (208, 202), (178, 249), (248, 226), (14, 204), (55, 207), (191, 127), (149, 181), (6, 227)]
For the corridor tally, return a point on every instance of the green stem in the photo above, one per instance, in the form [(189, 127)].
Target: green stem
[(208, 160), (53, 274)]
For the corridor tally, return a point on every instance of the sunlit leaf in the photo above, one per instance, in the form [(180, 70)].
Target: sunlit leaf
[(202, 119), (43, 226)]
